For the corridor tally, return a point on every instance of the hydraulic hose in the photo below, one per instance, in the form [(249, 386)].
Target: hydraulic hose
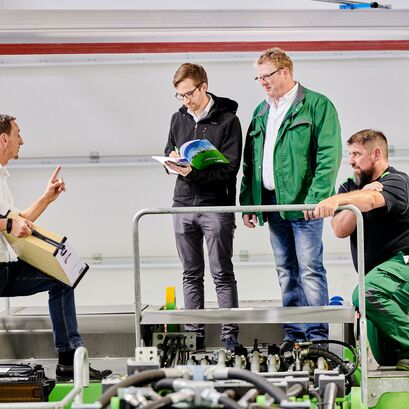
[(211, 396), (249, 396), (229, 403), (261, 383), (165, 347), (316, 352), (186, 395), (295, 390), (334, 341), (330, 394), (138, 379), (315, 393), (166, 383), (159, 403)]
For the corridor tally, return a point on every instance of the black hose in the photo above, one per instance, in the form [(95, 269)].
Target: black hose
[(184, 353), (179, 351), (224, 399), (173, 352), (228, 402), (159, 403), (295, 390), (330, 395), (138, 379), (334, 341), (166, 383), (261, 383), (164, 350), (169, 353), (317, 352)]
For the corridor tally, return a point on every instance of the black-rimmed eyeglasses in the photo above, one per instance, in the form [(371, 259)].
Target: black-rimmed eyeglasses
[(266, 76), (187, 95)]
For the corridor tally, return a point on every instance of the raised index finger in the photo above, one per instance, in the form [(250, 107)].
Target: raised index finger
[(54, 176)]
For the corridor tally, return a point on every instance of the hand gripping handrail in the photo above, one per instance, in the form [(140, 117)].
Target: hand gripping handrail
[(257, 209)]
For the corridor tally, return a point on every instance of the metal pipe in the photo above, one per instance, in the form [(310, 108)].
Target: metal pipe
[(81, 372), (137, 277), (330, 395), (362, 304), (131, 161)]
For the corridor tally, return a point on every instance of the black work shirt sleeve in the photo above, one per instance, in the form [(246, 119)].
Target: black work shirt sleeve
[(395, 191)]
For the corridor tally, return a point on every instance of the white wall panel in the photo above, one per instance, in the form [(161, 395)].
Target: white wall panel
[(125, 110), (177, 4), (118, 108)]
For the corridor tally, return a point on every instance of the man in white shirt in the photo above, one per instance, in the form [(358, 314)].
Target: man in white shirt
[(291, 156), (18, 278)]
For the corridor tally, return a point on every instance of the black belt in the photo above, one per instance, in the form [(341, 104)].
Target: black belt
[(267, 195)]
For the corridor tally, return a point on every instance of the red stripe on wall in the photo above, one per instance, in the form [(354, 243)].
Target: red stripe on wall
[(188, 47)]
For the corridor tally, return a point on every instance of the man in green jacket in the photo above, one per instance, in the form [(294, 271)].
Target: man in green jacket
[(292, 156)]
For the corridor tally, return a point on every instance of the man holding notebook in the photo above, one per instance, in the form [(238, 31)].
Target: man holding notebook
[(18, 278), (205, 116)]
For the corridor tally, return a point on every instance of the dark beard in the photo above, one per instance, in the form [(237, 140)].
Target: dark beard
[(364, 178)]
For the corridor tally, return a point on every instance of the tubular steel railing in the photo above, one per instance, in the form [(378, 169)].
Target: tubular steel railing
[(256, 209)]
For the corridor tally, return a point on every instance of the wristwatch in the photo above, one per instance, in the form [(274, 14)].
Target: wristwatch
[(9, 225)]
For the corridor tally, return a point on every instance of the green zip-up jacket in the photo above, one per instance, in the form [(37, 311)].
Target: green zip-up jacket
[(307, 153)]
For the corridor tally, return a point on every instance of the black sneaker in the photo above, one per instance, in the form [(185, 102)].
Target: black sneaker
[(200, 344), (286, 345), (321, 345), (65, 373), (231, 343), (403, 364)]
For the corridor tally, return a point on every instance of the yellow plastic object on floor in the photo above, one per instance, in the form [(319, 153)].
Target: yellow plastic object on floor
[(170, 304), (170, 298)]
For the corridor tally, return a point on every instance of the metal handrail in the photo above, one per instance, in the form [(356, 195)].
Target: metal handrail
[(257, 209)]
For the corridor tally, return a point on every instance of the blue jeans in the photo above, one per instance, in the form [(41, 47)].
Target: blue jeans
[(297, 248), (18, 278)]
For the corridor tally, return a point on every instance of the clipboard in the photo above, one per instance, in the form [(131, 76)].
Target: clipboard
[(48, 252)]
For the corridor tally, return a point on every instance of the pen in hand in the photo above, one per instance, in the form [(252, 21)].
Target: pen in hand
[(176, 149), (174, 153)]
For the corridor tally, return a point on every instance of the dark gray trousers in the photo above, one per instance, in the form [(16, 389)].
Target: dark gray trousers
[(218, 231)]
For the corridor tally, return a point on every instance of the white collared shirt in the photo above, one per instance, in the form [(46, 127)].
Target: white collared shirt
[(276, 114), (205, 112), (6, 204)]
